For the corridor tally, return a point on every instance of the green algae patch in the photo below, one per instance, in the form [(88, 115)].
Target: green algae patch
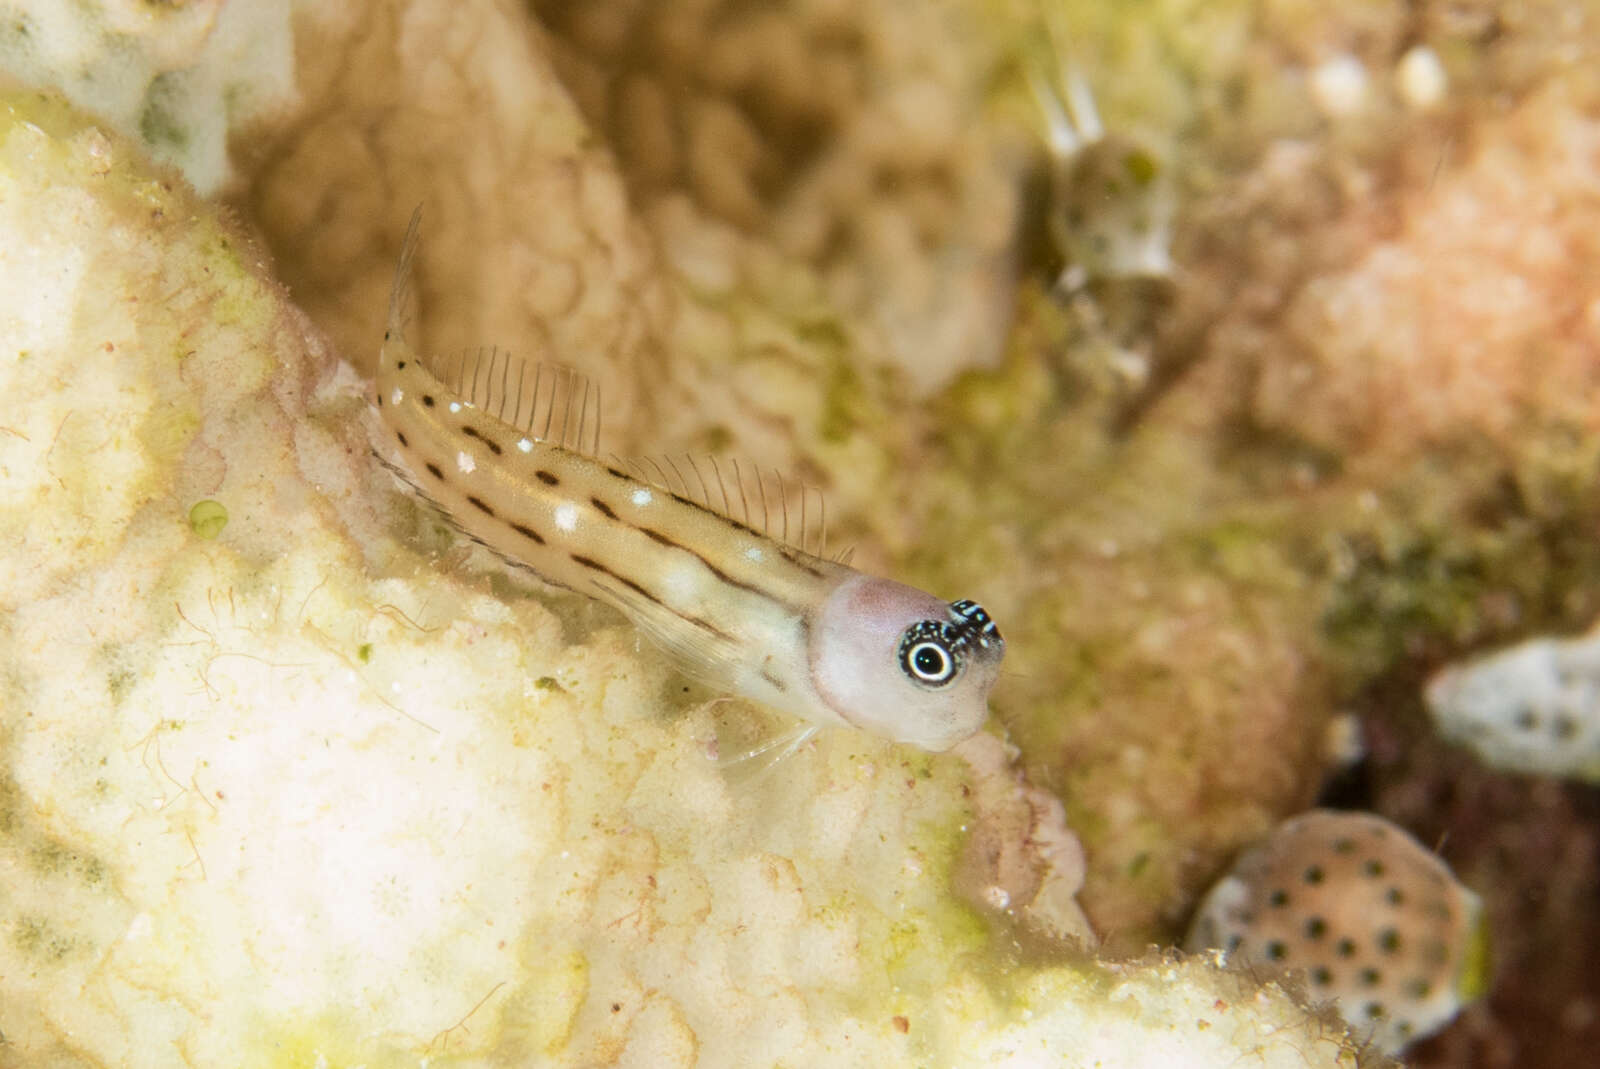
[(50, 858), (207, 519), (38, 938), (161, 126), (1471, 547)]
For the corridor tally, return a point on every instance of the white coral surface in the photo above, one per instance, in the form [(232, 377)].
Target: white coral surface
[(175, 75)]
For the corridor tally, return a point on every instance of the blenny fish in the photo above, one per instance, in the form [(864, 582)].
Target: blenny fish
[(509, 452), (1112, 200)]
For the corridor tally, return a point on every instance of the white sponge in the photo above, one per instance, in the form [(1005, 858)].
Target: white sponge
[(1532, 708), (175, 77)]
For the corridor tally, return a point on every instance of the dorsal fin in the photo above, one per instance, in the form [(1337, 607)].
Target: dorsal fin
[(402, 294), (785, 510), (548, 402)]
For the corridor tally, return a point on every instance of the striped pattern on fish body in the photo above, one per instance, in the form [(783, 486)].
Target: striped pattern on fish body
[(507, 451)]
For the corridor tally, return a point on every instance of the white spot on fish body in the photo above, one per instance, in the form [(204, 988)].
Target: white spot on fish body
[(642, 497), (682, 581), (567, 517), (398, 396), (525, 445), (465, 462), (754, 553), (455, 406)]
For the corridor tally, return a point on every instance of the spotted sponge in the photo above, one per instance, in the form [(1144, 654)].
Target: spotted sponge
[(1364, 913), (1532, 708)]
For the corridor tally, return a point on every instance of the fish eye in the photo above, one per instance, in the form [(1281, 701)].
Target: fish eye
[(929, 662), (927, 657)]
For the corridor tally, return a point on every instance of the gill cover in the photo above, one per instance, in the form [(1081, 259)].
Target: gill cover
[(892, 660)]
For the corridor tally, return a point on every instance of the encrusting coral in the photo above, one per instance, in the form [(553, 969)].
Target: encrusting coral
[(1020, 861), (852, 138)]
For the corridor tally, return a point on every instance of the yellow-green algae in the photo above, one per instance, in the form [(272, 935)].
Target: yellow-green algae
[(208, 518)]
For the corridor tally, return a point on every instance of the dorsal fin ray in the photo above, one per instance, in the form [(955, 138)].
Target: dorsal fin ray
[(402, 293), (548, 402), (785, 510)]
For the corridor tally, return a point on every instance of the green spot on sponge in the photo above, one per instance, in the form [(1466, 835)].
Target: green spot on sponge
[(207, 518)]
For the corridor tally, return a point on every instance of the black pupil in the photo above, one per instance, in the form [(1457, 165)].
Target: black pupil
[(929, 661)]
